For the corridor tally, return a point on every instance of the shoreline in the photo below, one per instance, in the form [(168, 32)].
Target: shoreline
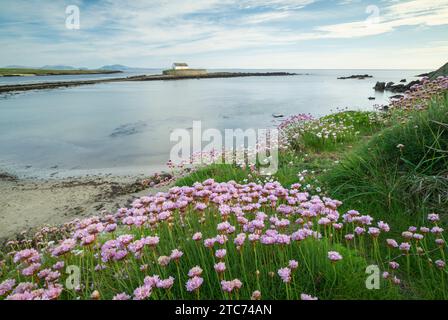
[(28, 204), (61, 84)]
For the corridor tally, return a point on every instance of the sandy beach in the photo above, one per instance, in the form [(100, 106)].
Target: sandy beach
[(27, 204)]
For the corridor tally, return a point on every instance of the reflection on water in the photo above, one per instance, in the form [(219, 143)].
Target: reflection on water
[(124, 128)]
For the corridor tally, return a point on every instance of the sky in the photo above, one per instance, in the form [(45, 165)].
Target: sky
[(276, 34)]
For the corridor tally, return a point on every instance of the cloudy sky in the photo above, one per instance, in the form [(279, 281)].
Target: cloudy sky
[(227, 33)]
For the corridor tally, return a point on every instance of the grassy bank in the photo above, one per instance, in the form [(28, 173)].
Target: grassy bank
[(355, 192), (10, 72)]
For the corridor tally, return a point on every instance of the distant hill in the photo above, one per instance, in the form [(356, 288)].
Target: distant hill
[(14, 66), (117, 67), (442, 71), (47, 67), (58, 67)]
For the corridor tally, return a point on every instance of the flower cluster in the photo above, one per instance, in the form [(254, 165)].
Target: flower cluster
[(225, 223), (419, 96)]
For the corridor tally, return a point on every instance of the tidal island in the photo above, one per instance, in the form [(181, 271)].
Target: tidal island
[(179, 71)]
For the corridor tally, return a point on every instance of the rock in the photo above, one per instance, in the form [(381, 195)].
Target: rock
[(372, 98), (397, 88), (380, 86), (277, 115), (389, 84), (7, 177), (401, 88), (412, 83), (403, 80), (356, 76), (397, 96)]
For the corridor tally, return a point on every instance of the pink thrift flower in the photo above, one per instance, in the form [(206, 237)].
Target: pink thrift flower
[(392, 243), (220, 267), (194, 283), (437, 230), (240, 238), (237, 284), (197, 236), (293, 264), (226, 286), (221, 253), (31, 270), (349, 237), (424, 230), (440, 264), (121, 296), (143, 292), (418, 236), (256, 295), (176, 254), (433, 217), (163, 261), (394, 265), (405, 246), (374, 232), (152, 241), (407, 235), (195, 272), (285, 274), (111, 227), (334, 256), (165, 284), (88, 240), (58, 265), (7, 286), (338, 226), (306, 297), (151, 281), (209, 243), (383, 226)]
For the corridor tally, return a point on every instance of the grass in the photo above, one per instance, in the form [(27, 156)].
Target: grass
[(401, 171), (44, 72), (394, 170), (391, 166)]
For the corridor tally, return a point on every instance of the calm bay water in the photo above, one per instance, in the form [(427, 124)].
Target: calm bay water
[(124, 128)]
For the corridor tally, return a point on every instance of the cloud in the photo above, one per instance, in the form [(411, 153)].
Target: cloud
[(157, 32), (411, 13)]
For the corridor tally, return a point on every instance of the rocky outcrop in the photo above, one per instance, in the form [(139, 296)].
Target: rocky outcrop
[(60, 84), (401, 88), (356, 76), (442, 71), (389, 84), (380, 86)]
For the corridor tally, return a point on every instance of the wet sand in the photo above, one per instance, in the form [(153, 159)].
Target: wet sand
[(27, 204)]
